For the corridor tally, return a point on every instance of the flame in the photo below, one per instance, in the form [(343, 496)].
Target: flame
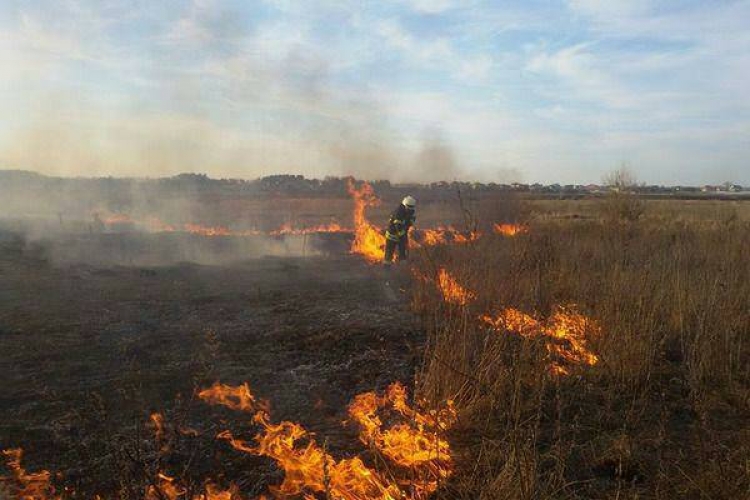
[(115, 219), (157, 422), (287, 229), (462, 238), (309, 469), (416, 445), (27, 485), (369, 241), (515, 321), (433, 237), (235, 397), (452, 291), (165, 488), (217, 230), (510, 229), (444, 235), (207, 230), (213, 492), (421, 456), (36, 486), (565, 332), (571, 328), (155, 225)]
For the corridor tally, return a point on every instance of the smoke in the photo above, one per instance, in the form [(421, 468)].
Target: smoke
[(209, 94), (109, 221), (365, 158), (436, 160)]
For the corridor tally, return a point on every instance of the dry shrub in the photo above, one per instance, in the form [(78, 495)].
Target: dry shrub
[(622, 205), (623, 208), (664, 412)]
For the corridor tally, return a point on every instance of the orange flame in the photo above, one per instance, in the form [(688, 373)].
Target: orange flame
[(515, 321), (235, 397), (566, 334), (462, 238), (154, 224), (309, 469), (213, 492), (115, 219), (422, 456), (510, 229), (27, 485), (416, 445), (369, 241), (217, 230), (571, 329), (287, 229), (433, 237), (36, 486), (157, 422), (445, 235), (165, 488), (207, 230), (452, 291)]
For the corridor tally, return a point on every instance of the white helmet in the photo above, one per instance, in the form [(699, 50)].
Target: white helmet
[(409, 202)]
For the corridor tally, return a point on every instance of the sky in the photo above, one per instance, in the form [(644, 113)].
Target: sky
[(406, 90)]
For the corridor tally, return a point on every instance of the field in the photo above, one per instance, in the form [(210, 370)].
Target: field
[(599, 351), (626, 373)]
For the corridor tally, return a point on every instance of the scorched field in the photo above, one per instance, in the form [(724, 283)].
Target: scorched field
[(520, 355)]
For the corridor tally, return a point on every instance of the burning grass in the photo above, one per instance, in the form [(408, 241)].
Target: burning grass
[(413, 455), (369, 240), (641, 390), (566, 334), (452, 291), (510, 229), (22, 484), (415, 447)]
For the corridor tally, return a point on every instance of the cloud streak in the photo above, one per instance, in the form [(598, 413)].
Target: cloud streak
[(406, 90)]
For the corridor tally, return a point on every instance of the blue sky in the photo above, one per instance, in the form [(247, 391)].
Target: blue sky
[(405, 89)]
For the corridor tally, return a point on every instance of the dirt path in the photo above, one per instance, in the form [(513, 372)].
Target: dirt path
[(307, 334)]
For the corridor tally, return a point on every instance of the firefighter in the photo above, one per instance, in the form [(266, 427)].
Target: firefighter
[(397, 234)]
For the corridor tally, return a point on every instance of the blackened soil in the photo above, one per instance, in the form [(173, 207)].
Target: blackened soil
[(87, 353)]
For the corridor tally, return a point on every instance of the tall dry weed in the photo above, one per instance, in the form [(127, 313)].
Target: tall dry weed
[(664, 412)]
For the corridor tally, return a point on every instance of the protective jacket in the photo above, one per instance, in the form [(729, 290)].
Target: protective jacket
[(401, 220)]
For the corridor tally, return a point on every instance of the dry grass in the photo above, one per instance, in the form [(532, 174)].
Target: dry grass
[(665, 412)]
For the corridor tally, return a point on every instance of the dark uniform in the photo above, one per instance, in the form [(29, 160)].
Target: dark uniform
[(397, 234)]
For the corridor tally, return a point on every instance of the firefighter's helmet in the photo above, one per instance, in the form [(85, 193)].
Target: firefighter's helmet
[(409, 202)]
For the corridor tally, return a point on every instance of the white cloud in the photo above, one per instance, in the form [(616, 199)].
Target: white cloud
[(611, 8), (436, 53), (431, 6), (341, 86), (420, 50)]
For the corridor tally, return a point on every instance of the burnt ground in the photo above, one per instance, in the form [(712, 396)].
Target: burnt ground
[(89, 351)]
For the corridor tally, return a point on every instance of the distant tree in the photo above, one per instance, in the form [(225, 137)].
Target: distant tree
[(623, 205), (621, 179)]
